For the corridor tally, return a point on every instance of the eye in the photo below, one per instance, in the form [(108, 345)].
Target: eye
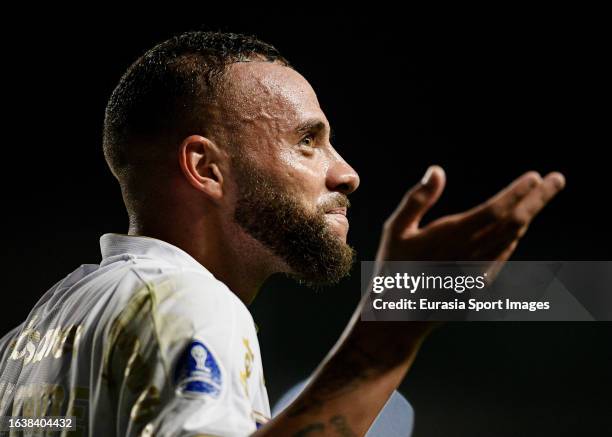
[(307, 141)]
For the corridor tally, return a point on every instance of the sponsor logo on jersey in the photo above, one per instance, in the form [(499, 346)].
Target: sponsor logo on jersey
[(197, 373)]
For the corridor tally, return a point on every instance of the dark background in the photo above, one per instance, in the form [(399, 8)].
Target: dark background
[(485, 101)]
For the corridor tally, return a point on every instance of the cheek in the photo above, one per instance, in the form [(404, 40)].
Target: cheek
[(305, 173)]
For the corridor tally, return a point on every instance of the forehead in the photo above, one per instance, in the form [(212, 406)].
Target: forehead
[(269, 93)]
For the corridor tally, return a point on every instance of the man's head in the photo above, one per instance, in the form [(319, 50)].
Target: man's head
[(217, 130)]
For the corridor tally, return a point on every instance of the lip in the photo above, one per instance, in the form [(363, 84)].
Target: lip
[(341, 211), (338, 221)]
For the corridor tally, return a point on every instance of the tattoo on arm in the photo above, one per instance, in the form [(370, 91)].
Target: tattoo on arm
[(353, 365), (341, 425), (309, 429)]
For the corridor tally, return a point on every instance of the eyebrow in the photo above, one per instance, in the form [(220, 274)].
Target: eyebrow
[(312, 125)]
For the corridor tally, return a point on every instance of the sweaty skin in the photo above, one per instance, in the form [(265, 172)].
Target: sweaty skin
[(289, 134), (270, 115)]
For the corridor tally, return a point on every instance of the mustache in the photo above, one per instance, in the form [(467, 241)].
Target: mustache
[(336, 200)]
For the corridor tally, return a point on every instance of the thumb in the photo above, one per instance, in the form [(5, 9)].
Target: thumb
[(418, 200)]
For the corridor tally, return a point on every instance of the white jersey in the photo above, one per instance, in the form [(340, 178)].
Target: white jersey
[(146, 343)]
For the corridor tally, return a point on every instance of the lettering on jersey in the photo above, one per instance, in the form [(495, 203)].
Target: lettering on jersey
[(38, 400), (197, 373), (41, 399), (32, 347)]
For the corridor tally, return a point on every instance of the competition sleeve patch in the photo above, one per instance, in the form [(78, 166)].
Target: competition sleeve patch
[(197, 373)]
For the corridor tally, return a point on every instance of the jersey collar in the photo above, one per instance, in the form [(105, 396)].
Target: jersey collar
[(113, 246)]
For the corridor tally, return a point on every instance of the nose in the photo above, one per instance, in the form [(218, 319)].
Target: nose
[(341, 177)]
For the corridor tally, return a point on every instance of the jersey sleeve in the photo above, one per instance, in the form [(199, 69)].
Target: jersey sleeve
[(172, 367)]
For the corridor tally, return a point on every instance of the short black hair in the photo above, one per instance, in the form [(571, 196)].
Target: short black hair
[(162, 95)]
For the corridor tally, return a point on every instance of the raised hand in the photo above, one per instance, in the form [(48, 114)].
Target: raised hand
[(487, 232)]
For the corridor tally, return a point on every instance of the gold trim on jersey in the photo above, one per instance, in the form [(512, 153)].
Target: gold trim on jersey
[(249, 358)]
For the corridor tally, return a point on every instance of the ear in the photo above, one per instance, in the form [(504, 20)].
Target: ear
[(200, 160)]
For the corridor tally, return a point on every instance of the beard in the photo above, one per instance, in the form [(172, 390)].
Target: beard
[(302, 238)]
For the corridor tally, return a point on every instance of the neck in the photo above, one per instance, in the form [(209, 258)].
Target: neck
[(238, 266)]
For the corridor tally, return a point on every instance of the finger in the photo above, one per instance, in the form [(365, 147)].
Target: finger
[(537, 199), (494, 238), (418, 200), (499, 205)]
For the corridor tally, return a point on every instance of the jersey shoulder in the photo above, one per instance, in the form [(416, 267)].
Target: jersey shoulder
[(168, 306), (194, 295)]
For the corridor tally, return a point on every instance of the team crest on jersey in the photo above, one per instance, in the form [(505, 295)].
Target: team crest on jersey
[(197, 373)]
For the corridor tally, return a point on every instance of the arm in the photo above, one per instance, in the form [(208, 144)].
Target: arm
[(370, 359), (353, 383)]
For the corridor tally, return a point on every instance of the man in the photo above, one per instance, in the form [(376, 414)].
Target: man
[(228, 176)]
